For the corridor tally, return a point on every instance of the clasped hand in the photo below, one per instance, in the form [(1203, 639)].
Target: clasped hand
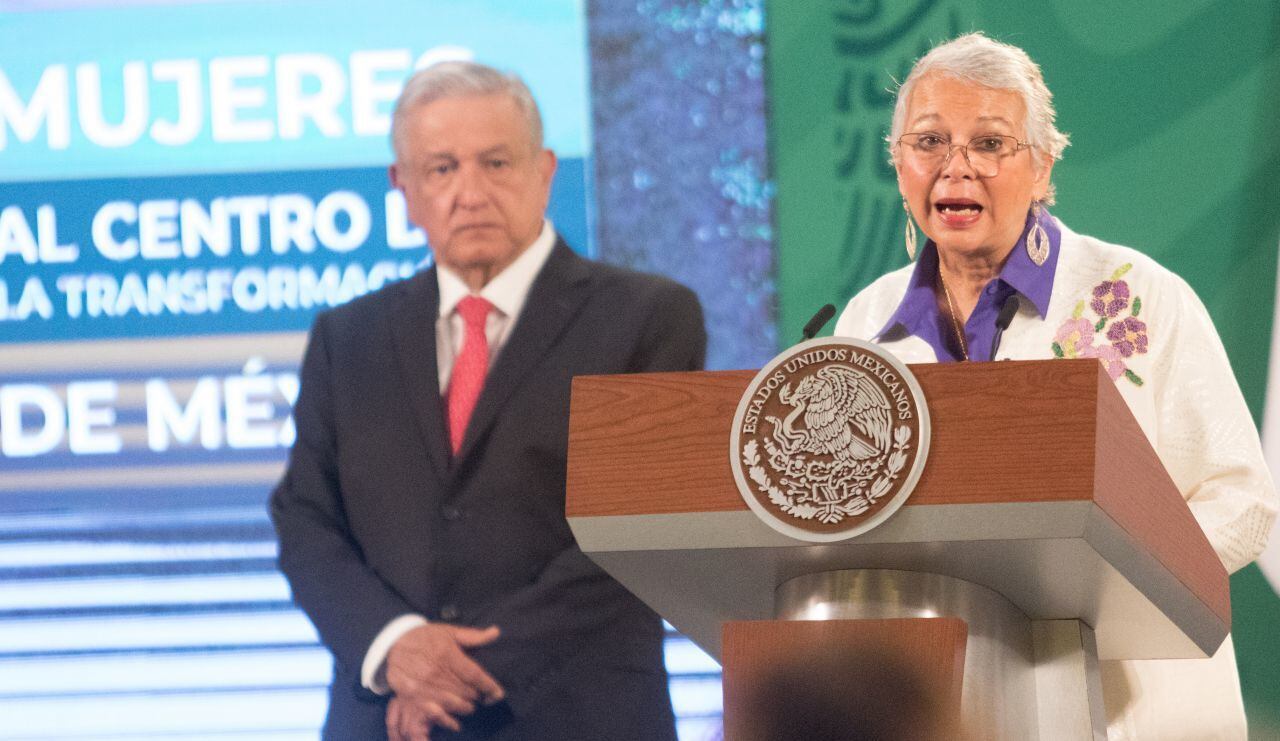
[(434, 680)]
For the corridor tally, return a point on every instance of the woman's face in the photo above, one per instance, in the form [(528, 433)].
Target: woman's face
[(963, 213)]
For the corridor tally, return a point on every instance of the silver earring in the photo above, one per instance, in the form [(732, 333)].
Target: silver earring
[(1037, 239), (911, 232)]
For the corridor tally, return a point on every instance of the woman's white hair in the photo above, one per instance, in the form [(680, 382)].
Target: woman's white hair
[(454, 79), (983, 61)]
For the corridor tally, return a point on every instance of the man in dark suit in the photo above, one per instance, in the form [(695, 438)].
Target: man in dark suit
[(421, 518)]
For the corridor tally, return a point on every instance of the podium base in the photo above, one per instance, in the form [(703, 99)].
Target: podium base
[(1023, 679), (998, 699), (833, 680)]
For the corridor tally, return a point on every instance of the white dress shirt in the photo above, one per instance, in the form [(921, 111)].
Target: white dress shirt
[(507, 291)]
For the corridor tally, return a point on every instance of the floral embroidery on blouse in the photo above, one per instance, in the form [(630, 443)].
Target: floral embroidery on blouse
[(1123, 335)]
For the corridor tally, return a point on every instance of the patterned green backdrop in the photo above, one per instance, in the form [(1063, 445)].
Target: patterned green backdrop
[(1172, 110)]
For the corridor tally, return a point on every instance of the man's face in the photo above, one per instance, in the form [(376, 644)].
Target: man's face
[(474, 181)]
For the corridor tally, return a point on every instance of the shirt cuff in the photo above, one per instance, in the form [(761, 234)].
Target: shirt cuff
[(372, 674)]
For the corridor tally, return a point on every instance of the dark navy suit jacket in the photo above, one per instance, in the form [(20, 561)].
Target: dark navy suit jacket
[(376, 519)]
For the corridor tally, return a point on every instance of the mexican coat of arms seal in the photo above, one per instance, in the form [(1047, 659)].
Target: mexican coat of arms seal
[(829, 439)]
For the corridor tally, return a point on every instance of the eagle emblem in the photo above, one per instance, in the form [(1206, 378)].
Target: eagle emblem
[(827, 434)]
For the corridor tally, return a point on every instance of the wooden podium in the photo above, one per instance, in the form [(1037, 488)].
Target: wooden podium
[(1043, 519)]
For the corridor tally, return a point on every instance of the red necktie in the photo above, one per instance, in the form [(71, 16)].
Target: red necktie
[(469, 369)]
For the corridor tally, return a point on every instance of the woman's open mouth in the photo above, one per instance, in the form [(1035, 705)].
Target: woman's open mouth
[(957, 212)]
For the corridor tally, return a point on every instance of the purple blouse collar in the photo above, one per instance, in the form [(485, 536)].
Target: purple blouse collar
[(918, 313)]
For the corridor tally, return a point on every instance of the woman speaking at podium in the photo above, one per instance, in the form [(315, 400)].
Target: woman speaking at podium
[(974, 143)]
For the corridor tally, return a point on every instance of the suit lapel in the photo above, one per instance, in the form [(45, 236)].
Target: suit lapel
[(554, 299), (413, 334)]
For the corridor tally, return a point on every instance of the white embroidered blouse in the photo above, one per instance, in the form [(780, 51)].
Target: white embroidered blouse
[(1157, 342)]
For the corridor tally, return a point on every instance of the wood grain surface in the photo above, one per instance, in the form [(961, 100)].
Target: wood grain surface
[(1134, 489), (659, 442), (1010, 431)]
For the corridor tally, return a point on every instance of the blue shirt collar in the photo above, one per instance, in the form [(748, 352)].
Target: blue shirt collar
[(1034, 282), (918, 315)]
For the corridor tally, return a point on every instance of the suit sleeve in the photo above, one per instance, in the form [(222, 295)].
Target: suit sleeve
[(674, 338), (341, 595), (572, 596)]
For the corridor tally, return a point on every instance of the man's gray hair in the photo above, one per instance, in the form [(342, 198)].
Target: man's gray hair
[(983, 61), (455, 79)]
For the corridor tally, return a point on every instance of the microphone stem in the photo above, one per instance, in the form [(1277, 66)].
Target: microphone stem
[(995, 341)]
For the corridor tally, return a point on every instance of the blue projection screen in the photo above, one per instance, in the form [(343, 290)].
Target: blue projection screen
[(182, 187)]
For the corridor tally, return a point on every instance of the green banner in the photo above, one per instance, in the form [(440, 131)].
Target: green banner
[(1171, 110)]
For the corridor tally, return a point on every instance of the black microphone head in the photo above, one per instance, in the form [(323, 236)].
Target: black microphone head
[(1007, 310), (814, 325)]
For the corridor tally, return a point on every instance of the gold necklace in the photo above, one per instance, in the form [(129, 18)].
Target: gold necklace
[(955, 323)]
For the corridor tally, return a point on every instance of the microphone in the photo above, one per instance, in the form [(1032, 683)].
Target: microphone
[(1003, 320), (818, 321)]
